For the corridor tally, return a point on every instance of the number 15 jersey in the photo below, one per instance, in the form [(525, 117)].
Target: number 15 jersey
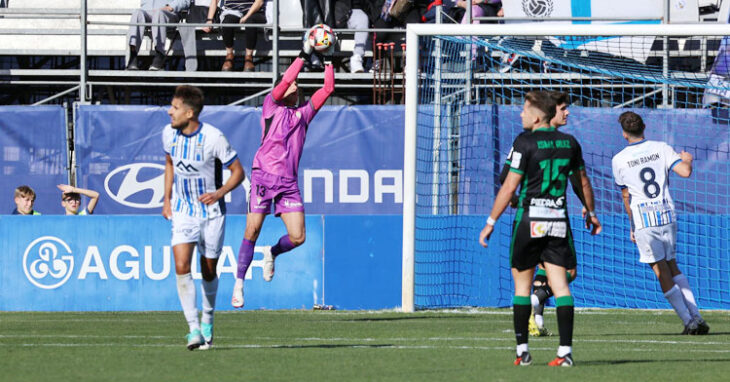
[(643, 167), (545, 157)]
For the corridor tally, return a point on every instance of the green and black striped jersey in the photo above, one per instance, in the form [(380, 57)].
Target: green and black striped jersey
[(545, 157)]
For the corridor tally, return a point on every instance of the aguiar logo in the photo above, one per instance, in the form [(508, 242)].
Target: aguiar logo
[(48, 262)]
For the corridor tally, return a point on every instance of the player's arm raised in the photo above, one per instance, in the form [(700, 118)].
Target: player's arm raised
[(500, 204), (237, 175), (320, 96), (91, 194), (293, 70), (684, 167), (169, 174)]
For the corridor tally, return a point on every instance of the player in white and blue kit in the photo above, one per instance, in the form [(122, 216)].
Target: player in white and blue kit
[(642, 171), (194, 191)]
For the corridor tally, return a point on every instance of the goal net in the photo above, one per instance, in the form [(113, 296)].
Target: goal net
[(465, 90)]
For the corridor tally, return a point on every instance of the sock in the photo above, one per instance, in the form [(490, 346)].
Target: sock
[(521, 349), (564, 350), (539, 320), (689, 297), (539, 294), (534, 301), (565, 311), (210, 290), (674, 295), (521, 317), (186, 292), (245, 255), (284, 245), (537, 309)]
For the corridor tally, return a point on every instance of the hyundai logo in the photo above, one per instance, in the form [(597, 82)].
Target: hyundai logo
[(138, 185), (44, 266)]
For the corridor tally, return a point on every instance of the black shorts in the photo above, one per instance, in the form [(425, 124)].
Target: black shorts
[(537, 241)]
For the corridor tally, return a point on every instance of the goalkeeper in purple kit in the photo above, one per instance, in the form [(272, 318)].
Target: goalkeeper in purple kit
[(274, 177)]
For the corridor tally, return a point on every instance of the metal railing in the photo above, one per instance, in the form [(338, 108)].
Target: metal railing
[(88, 78)]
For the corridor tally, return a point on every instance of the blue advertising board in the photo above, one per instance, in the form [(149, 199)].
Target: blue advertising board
[(33, 148), (91, 263), (352, 161)]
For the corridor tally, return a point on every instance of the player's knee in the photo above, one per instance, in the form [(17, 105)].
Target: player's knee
[(182, 268), (252, 233), (539, 282), (207, 275), (297, 240)]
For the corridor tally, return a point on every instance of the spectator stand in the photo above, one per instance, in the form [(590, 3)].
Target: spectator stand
[(48, 55)]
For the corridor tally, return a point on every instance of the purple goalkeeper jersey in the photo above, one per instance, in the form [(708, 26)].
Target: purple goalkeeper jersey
[(283, 130)]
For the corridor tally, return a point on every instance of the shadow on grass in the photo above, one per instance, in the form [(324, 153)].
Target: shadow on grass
[(405, 317), (648, 361), (313, 346), (654, 335)]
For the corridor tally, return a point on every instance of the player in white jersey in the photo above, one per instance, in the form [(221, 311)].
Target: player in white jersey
[(642, 170), (194, 191)]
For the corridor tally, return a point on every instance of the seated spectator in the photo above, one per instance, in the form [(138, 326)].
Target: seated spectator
[(479, 8), (386, 19), (238, 12), (24, 200), (71, 199), (153, 11), (197, 14), (354, 14), (447, 10)]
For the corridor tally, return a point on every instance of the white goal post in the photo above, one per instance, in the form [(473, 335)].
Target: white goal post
[(413, 75)]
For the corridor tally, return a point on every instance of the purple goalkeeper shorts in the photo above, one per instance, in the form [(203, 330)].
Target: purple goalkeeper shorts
[(265, 188)]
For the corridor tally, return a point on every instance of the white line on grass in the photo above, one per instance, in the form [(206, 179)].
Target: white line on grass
[(293, 346), (361, 339)]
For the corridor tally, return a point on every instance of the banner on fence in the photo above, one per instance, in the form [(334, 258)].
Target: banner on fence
[(82, 263), (352, 161), (33, 144)]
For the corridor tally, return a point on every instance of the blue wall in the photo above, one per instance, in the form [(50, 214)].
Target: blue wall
[(352, 257), (112, 263)]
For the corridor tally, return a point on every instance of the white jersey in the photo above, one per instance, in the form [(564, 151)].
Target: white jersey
[(197, 160), (643, 167)]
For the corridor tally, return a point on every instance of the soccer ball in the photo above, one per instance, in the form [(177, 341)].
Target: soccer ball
[(322, 38)]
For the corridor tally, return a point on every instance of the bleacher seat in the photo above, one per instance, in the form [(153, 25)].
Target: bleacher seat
[(55, 36)]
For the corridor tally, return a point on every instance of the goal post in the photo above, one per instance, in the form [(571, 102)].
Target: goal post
[(460, 122)]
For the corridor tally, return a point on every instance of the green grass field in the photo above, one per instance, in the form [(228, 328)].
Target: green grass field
[(465, 345)]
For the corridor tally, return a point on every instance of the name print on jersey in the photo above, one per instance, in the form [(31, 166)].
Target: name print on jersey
[(643, 160)]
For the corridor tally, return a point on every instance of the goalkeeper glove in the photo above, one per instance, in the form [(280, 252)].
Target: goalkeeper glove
[(307, 48)]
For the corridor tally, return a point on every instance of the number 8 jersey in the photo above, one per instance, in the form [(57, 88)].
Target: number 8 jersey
[(643, 168)]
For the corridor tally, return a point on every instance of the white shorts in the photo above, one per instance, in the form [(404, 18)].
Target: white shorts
[(207, 233), (657, 243)]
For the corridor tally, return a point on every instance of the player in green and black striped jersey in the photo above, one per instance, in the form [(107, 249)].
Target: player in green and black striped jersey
[(540, 163), (540, 289)]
